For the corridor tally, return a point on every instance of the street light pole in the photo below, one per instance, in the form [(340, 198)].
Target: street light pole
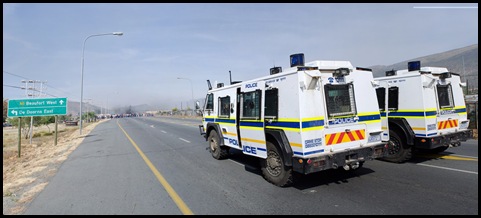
[(192, 89), (82, 71)]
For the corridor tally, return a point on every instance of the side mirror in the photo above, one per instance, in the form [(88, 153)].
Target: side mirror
[(197, 105)]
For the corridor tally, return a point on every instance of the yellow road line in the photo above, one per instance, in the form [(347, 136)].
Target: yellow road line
[(175, 197)]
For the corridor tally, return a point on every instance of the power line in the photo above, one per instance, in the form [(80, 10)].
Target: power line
[(18, 87), (34, 89), (15, 75)]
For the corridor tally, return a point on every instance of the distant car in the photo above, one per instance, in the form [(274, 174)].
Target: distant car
[(71, 123), (7, 124)]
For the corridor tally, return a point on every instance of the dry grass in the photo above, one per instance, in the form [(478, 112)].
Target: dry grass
[(27, 175), (41, 136)]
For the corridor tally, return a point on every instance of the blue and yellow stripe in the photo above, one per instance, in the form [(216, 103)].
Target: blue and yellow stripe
[(421, 114), (460, 110)]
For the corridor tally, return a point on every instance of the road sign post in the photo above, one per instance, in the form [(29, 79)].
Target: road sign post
[(19, 135), (34, 107)]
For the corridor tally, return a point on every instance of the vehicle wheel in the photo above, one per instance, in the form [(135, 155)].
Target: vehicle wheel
[(273, 168), (398, 151), (216, 150)]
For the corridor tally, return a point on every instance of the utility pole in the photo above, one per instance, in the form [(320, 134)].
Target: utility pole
[(35, 93)]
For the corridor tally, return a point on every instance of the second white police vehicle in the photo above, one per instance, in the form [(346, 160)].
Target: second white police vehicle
[(424, 109)]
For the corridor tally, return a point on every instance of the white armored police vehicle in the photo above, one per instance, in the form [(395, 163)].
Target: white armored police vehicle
[(423, 108), (310, 117)]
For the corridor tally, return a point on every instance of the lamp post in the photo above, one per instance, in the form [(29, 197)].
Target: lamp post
[(82, 71), (192, 89)]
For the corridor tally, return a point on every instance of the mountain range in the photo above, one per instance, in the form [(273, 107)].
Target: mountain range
[(463, 61)]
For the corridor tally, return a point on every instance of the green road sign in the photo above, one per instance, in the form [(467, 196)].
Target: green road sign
[(37, 107)]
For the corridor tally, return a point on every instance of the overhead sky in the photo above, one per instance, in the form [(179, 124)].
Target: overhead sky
[(198, 42)]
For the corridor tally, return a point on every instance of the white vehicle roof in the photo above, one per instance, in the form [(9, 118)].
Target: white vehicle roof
[(320, 64), (329, 65), (433, 70)]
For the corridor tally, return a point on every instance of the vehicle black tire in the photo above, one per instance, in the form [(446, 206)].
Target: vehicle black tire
[(398, 150), (216, 150), (273, 168)]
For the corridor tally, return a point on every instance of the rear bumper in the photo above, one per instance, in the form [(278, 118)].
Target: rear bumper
[(336, 160), (451, 139)]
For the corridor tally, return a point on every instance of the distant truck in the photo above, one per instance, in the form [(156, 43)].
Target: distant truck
[(423, 108), (311, 117)]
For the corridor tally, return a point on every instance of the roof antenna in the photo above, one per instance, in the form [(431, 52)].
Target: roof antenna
[(233, 82), (209, 85)]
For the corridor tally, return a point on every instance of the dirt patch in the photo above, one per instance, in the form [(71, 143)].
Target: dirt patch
[(25, 176)]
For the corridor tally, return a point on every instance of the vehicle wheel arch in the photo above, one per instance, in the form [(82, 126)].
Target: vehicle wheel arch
[(214, 127), (218, 151), (404, 130), (279, 139)]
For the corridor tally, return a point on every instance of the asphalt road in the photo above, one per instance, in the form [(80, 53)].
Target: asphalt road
[(162, 166)]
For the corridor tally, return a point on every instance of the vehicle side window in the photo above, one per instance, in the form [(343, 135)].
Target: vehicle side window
[(224, 107), (381, 97), (393, 96), (209, 102), (251, 105), (272, 103)]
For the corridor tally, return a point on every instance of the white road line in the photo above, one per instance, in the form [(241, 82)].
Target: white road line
[(184, 140), (446, 168), (152, 126), (163, 131)]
